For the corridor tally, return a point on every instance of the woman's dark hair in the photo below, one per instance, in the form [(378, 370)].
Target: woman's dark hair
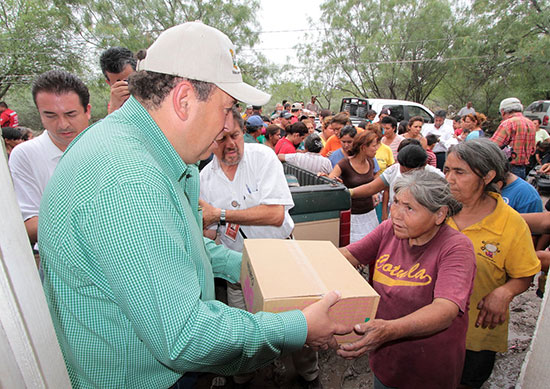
[(363, 139), (348, 130), (297, 128), (313, 143), (408, 141), (429, 189), (389, 120), (482, 155), (412, 156), (402, 129), (415, 119), (271, 130), (11, 133)]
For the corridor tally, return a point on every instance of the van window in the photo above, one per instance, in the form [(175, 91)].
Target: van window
[(417, 111), (535, 106), (396, 111)]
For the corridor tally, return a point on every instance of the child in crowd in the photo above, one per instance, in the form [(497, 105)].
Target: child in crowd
[(432, 140)]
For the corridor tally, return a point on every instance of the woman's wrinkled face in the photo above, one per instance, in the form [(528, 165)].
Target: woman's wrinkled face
[(410, 219), (466, 186)]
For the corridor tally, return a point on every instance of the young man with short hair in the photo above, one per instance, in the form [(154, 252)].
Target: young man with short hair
[(117, 63), (63, 102)]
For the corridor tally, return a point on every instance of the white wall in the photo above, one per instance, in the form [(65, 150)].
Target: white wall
[(29, 353)]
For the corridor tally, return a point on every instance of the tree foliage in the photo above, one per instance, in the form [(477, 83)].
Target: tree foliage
[(508, 44), (136, 24), (35, 37), (387, 49)]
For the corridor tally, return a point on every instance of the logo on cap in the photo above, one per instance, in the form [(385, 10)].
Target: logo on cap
[(236, 69)]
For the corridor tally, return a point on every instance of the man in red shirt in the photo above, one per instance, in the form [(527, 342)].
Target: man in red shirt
[(8, 117), (517, 132), (295, 134)]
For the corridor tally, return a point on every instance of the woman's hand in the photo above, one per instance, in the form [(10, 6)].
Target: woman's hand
[(425, 321), (375, 333), (494, 307)]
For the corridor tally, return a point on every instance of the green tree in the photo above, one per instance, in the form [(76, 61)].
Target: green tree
[(136, 24), (508, 46), (387, 49), (35, 37)]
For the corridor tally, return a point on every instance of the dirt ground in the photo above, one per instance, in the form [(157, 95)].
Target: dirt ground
[(339, 373)]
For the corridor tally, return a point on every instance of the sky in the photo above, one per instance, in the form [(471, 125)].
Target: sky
[(276, 16)]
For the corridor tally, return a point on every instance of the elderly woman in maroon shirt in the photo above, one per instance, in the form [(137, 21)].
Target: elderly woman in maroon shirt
[(424, 272)]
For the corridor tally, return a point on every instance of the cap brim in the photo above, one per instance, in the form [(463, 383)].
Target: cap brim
[(244, 92)]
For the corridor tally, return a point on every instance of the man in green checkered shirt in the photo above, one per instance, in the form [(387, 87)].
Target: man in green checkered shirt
[(128, 275)]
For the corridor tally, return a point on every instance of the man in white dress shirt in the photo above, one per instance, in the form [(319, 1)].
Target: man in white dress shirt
[(443, 129), (244, 195), (63, 102)]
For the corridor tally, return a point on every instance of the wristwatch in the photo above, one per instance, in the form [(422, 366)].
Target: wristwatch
[(222, 217)]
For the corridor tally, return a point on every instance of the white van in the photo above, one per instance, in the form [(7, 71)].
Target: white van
[(399, 109)]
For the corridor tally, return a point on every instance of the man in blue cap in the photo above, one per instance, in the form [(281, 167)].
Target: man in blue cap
[(254, 125)]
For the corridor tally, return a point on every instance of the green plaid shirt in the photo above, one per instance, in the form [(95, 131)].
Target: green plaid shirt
[(128, 275)]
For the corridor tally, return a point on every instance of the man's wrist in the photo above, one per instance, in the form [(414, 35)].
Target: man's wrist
[(222, 217)]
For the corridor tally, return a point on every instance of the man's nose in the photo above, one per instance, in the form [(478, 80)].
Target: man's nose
[(229, 123), (63, 123)]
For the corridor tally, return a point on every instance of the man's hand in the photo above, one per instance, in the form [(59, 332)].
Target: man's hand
[(320, 327), (375, 333), (210, 214), (545, 169), (119, 94), (493, 308)]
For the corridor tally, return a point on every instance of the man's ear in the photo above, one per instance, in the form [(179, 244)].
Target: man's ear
[(89, 111), (107, 81), (182, 97)]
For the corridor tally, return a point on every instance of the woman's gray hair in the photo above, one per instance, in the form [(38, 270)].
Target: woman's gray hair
[(482, 156), (430, 190)]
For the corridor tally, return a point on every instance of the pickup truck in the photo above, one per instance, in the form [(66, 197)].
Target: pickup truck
[(321, 206), (399, 109)]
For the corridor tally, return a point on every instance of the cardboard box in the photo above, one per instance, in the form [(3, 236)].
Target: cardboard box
[(280, 275)]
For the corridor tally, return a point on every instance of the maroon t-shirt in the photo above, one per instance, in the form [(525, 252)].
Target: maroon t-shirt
[(407, 279)]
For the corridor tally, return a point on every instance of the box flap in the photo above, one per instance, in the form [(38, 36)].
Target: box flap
[(303, 268)]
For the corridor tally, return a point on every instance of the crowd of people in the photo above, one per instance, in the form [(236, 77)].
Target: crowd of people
[(124, 216)]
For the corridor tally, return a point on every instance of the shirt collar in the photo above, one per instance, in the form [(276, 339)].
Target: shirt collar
[(134, 113), (496, 221), (52, 150)]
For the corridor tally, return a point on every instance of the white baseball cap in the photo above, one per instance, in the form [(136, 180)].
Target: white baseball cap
[(199, 52), (510, 104)]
